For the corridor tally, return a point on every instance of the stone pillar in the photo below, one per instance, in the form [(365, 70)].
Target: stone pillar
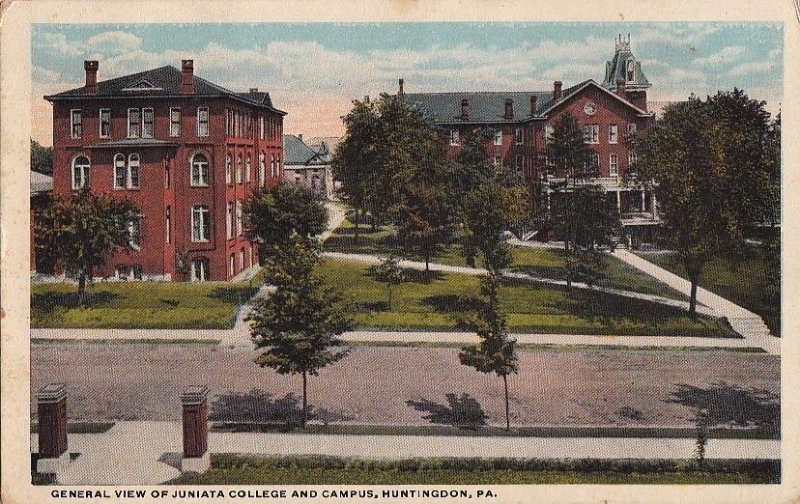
[(195, 429), (52, 410)]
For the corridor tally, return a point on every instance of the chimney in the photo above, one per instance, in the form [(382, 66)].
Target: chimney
[(187, 77), (509, 110), (464, 109), (91, 67), (556, 90), (400, 91), (254, 90), (533, 105), (621, 88), (300, 136)]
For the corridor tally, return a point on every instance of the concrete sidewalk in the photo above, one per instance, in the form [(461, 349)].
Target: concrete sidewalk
[(148, 453)]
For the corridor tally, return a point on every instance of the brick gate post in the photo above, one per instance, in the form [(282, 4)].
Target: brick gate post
[(195, 429), (52, 410)]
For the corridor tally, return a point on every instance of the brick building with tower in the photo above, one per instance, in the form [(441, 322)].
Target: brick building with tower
[(521, 121), (186, 151)]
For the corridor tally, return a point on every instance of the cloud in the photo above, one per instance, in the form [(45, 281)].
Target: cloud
[(723, 56), (769, 65), (43, 75), (113, 42)]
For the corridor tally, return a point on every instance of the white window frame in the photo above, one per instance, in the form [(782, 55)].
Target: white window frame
[(152, 123), (135, 224), (229, 219), (84, 171), (134, 162), (73, 113), (207, 122), (120, 171), (630, 129), (198, 269), (262, 170), (613, 165), (241, 259), (630, 71), (239, 227), (229, 169), (138, 122), (498, 137), (631, 158), (497, 161), (455, 137), (239, 169), (200, 223), (248, 165), (613, 134), (100, 123), (203, 171), (549, 130), (519, 136), (591, 133), (174, 126), (232, 264)]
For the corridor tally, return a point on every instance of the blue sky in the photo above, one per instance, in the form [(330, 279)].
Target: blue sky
[(314, 70)]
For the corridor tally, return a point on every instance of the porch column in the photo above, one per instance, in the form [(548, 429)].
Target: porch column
[(195, 429), (619, 201), (644, 208), (653, 205), (52, 409)]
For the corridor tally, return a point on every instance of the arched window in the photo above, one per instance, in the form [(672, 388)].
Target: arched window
[(228, 169), (133, 171), (631, 71), (199, 270), (247, 167), (262, 170), (201, 224), (120, 174), (80, 172), (239, 169), (199, 171)]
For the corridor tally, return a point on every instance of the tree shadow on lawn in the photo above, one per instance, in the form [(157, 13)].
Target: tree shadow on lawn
[(452, 303), (258, 406), (421, 276), (464, 412), (233, 295), (49, 301), (723, 404)]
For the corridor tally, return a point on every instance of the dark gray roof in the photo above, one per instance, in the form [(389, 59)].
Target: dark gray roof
[(41, 183), (295, 152), (616, 69), (134, 142), (163, 81)]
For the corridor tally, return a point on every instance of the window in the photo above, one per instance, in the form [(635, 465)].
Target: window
[(548, 133), (454, 137), (75, 123), (168, 224), (135, 232), (80, 172), (201, 224), (498, 137), (272, 167), (199, 270), (133, 171), (591, 133), (278, 166), (241, 259), (239, 169), (136, 271), (261, 127), (631, 158), (122, 272), (147, 123), (105, 123), (262, 170), (497, 162), (595, 161), (199, 171), (174, 122), (232, 265), (134, 123), (239, 217), (631, 129), (229, 221), (613, 165), (120, 172), (247, 168), (202, 121), (519, 137), (518, 162), (612, 134), (631, 71), (228, 170)]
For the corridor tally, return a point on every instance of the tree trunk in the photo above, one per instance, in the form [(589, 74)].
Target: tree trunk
[(305, 400), (355, 232), (82, 288), (373, 222), (508, 418), (693, 297)]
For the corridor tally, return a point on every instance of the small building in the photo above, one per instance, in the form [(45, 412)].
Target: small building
[(307, 167), (41, 193)]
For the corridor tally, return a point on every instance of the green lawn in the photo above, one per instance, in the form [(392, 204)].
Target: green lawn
[(317, 470), (742, 282), (444, 302), (140, 305), (542, 262)]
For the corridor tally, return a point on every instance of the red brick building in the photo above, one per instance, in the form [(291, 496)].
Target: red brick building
[(186, 151), (606, 112)]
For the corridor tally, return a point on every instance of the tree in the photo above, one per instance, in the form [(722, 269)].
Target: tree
[(389, 272), (41, 158), (82, 228), (298, 325), (495, 353), (272, 217), (707, 161)]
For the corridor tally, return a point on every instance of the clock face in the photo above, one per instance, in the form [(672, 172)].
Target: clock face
[(590, 108)]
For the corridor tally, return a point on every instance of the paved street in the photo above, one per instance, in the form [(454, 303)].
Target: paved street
[(417, 386)]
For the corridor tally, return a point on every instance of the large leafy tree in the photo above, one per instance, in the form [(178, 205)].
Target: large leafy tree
[(495, 352), (81, 229), (297, 327), (709, 162), (41, 158), (273, 217)]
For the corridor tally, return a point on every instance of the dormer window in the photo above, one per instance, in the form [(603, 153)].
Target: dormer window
[(630, 71)]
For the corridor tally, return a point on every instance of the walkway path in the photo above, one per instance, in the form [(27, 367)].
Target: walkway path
[(744, 322), (148, 453)]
